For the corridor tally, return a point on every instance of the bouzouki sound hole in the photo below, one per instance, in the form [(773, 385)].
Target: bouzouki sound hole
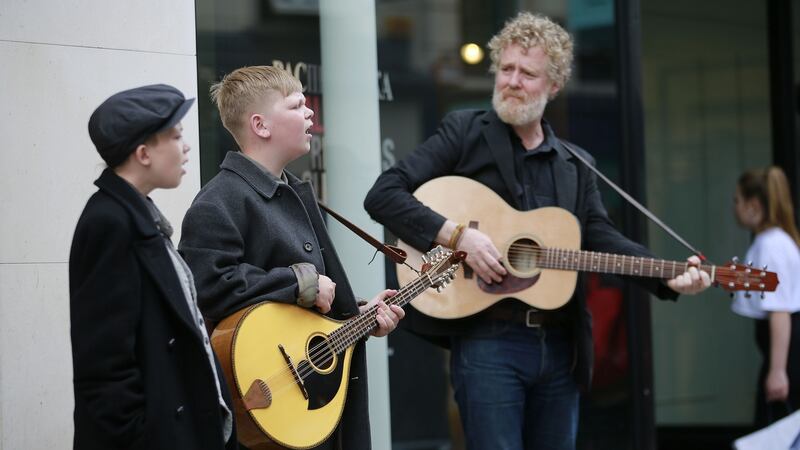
[(320, 354)]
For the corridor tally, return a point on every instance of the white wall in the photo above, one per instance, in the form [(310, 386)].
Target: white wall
[(59, 60)]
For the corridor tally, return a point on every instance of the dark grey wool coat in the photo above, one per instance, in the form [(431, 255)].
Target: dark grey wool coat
[(141, 375), (241, 235)]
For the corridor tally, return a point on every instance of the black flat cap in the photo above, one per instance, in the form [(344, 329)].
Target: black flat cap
[(128, 118)]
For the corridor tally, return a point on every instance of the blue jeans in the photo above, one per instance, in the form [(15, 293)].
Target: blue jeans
[(514, 387)]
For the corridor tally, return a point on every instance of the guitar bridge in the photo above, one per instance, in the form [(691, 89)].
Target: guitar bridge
[(293, 369)]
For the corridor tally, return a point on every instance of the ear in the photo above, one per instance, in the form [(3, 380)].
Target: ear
[(260, 126), (142, 155), (554, 89)]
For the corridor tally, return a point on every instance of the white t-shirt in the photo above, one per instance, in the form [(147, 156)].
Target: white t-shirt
[(776, 249)]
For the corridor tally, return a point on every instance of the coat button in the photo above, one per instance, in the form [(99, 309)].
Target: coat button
[(179, 411), (171, 344), (308, 246)]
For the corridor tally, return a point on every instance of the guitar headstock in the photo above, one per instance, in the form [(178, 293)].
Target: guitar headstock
[(440, 265), (734, 276)]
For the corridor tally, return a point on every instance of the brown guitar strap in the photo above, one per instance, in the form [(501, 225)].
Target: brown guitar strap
[(396, 254), (633, 202)]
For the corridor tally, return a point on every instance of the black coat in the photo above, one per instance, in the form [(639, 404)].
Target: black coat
[(476, 144), (142, 378), (240, 236)]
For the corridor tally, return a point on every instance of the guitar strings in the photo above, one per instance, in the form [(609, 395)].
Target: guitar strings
[(346, 336), (355, 329), (314, 352), (568, 259), (323, 349), (349, 333)]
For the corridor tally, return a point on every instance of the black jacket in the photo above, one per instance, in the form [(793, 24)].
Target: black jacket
[(240, 236), (476, 144), (141, 375)]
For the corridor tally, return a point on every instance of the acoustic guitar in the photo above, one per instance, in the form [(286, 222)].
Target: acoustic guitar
[(288, 367), (541, 251)]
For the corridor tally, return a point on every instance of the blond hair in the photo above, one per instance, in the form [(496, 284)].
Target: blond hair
[(533, 30), (241, 89), (771, 188)]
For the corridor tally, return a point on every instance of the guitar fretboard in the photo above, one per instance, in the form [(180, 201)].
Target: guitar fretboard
[(581, 260), (353, 330)]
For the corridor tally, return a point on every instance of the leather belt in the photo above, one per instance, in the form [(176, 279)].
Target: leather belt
[(530, 317)]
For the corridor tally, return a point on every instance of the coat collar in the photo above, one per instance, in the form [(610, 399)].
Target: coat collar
[(262, 183), (253, 175), (151, 245), (496, 133), (130, 199)]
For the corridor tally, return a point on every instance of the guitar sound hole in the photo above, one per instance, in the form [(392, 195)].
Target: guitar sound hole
[(320, 354), (522, 255)]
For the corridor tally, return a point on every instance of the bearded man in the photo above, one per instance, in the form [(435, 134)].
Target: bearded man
[(516, 371)]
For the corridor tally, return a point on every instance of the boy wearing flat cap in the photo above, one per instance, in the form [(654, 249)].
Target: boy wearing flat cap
[(255, 232), (144, 374)]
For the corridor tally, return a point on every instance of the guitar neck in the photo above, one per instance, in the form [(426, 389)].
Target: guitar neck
[(584, 261), (352, 331)]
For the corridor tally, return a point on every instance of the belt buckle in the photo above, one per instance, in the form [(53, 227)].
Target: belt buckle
[(529, 318)]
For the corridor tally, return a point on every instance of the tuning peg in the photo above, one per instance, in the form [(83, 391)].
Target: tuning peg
[(764, 268), (750, 263), (731, 294), (735, 260), (747, 294), (762, 295), (425, 258)]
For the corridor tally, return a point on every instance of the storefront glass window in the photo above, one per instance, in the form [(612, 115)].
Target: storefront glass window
[(707, 118)]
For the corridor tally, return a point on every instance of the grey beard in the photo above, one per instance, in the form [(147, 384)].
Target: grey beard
[(518, 115)]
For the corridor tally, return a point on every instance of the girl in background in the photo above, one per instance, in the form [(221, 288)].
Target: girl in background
[(763, 205)]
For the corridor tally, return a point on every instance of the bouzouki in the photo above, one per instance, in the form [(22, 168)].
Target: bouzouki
[(288, 367), (541, 251)]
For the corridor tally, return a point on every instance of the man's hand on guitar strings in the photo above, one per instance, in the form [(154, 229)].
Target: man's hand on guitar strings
[(692, 281), (387, 317), (482, 256)]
